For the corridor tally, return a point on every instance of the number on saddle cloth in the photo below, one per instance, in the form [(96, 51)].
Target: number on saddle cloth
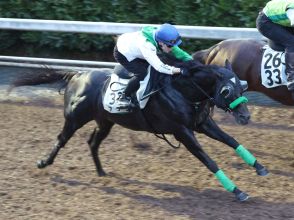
[(273, 68), (117, 84)]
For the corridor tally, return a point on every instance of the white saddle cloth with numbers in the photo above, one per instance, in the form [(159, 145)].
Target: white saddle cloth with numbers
[(114, 90), (273, 68)]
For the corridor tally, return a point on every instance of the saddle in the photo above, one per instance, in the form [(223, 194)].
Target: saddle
[(116, 85)]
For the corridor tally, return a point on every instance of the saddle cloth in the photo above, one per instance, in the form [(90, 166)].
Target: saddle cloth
[(114, 90), (273, 68)]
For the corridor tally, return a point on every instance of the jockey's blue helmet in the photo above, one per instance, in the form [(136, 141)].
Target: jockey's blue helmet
[(168, 35)]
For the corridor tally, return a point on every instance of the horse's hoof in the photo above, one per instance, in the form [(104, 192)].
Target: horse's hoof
[(242, 196), (262, 172), (41, 164), (101, 173)]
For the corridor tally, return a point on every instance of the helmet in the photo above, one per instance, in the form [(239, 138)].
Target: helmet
[(168, 35)]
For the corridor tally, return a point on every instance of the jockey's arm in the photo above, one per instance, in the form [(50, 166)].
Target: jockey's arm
[(181, 54), (149, 52)]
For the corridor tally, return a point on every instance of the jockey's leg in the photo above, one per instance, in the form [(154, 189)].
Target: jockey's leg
[(289, 59), (187, 138), (212, 130), (138, 67), (133, 85)]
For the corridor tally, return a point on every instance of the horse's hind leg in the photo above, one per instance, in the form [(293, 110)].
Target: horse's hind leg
[(94, 142), (211, 129), (68, 130)]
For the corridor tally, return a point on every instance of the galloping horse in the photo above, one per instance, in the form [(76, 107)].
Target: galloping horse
[(179, 108), (245, 56)]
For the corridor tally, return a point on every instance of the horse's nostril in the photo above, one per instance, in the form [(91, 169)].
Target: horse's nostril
[(245, 117)]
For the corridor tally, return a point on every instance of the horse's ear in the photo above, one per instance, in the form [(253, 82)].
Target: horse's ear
[(244, 85), (228, 65)]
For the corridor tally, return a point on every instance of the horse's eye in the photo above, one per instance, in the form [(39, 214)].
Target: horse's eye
[(225, 91)]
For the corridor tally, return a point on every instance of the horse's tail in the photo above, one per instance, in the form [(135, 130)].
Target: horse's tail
[(44, 76)]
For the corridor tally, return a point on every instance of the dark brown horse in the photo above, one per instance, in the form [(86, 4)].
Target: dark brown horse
[(245, 56)]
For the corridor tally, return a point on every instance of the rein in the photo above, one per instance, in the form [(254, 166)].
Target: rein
[(211, 99)]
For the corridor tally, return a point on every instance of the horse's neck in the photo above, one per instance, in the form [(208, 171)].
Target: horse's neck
[(198, 87), (189, 87)]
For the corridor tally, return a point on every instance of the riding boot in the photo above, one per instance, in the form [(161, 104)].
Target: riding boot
[(125, 98), (289, 58), (132, 86)]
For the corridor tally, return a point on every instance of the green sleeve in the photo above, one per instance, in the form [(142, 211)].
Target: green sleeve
[(180, 54)]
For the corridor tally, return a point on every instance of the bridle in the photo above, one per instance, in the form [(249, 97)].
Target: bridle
[(232, 105)]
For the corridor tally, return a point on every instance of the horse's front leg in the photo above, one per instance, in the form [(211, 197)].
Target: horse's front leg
[(186, 137), (212, 130)]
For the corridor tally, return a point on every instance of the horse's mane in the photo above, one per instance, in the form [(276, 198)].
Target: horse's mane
[(192, 65), (200, 74)]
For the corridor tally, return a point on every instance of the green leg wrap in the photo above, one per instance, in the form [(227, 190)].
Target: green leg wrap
[(225, 181), (246, 155)]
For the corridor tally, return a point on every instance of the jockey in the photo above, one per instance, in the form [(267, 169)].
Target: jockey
[(276, 22), (137, 50)]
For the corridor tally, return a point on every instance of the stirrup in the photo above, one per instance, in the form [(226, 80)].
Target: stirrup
[(125, 100), (126, 105)]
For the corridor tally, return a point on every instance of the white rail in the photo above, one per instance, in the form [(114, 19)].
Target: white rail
[(39, 62), (196, 32)]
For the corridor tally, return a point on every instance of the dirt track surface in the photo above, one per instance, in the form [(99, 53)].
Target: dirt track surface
[(146, 179)]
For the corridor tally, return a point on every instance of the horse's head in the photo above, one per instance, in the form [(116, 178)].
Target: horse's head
[(214, 82), (228, 93)]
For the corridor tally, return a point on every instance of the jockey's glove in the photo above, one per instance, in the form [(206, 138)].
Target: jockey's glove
[(184, 71)]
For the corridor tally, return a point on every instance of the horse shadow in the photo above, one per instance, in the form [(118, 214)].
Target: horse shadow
[(208, 203), (180, 200)]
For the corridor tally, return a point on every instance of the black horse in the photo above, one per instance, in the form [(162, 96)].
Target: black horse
[(179, 108)]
